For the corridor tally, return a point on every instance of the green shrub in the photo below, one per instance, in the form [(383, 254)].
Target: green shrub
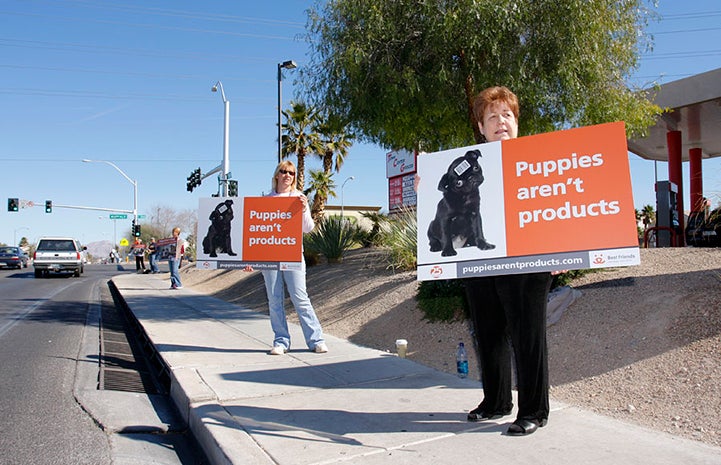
[(332, 237), (400, 238), (564, 279), (443, 300), (311, 257), (374, 236)]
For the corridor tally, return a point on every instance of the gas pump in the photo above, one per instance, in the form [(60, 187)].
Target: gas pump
[(666, 213)]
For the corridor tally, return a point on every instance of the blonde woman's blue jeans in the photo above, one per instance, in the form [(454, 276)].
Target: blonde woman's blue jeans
[(173, 264), (294, 281)]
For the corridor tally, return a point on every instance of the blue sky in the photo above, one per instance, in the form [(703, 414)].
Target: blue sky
[(129, 82)]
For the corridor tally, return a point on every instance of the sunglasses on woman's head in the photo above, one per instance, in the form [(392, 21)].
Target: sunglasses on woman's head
[(292, 173)]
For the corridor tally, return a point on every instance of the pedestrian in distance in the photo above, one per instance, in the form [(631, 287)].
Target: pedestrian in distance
[(508, 312), (284, 185), (138, 251), (174, 259), (153, 256)]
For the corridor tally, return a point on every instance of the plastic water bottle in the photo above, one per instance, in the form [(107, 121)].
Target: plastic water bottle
[(462, 361)]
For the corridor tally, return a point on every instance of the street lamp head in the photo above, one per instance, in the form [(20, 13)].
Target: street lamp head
[(216, 86), (290, 64), (85, 160)]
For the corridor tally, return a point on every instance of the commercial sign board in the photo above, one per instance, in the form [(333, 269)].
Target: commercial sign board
[(401, 192), (400, 162)]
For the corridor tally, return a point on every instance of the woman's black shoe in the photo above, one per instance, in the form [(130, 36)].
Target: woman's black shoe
[(524, 427), (478, 414)]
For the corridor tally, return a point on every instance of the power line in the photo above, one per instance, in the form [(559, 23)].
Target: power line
[(129, 73), (179, 13), (80, 47)]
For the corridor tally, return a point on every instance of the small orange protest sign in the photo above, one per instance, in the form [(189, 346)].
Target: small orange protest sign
[(554, 201), (261, 232), (272, 229)]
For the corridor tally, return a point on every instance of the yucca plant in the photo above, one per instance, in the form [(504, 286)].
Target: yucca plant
[(332, 238)]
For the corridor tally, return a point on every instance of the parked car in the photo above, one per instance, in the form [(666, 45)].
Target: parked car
[(13, 257), (703, 230), (58, 254)]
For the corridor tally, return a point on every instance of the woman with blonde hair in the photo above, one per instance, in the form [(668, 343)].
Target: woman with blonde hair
[(174, 260), (284, 185)]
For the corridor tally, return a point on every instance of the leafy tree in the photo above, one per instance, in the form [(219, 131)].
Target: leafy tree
[(162, 219), (321, 185), (405, 72), (300, 137)]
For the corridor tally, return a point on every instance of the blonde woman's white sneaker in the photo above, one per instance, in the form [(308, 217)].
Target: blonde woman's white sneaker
[(277, 350), (320, 348)]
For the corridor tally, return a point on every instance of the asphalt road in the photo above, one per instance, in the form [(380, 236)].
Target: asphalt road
[(42, 325)]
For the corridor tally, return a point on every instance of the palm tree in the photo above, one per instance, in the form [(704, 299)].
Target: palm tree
[(648, 216), (335, 140), (299, 136), (322, 185)]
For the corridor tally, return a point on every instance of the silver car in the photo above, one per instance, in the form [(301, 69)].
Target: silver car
[(57, 255)]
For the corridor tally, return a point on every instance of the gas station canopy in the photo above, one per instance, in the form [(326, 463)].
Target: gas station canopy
[(694, 109)]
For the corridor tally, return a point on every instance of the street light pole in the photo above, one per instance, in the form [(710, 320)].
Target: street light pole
[(226, 137), (289, 64), (349, 178), (15, 239), (131, 181)]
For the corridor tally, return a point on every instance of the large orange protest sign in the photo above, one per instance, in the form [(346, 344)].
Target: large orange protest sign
[(547, 202), (261, 232)]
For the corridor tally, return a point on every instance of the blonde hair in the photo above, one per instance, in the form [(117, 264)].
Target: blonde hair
[(284, 165), (176, 230)]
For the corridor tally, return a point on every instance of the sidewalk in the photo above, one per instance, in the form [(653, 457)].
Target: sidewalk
[(354, 404)]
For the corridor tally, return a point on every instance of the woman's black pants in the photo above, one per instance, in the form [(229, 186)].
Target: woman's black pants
[(509, 320)]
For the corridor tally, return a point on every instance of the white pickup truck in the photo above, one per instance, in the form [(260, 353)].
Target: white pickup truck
[(58, 254)]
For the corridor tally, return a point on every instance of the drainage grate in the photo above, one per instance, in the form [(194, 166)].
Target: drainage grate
[(124, 365)]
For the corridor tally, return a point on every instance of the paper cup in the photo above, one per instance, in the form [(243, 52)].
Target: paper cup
[(401, 347)]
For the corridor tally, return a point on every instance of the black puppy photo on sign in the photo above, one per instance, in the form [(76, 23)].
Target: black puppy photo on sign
[(458, 221), (460, 204)]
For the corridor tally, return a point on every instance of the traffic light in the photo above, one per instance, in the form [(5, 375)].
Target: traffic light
[(135, 229), (232, 188), (193, 180), (13, 205), (48, 206)]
